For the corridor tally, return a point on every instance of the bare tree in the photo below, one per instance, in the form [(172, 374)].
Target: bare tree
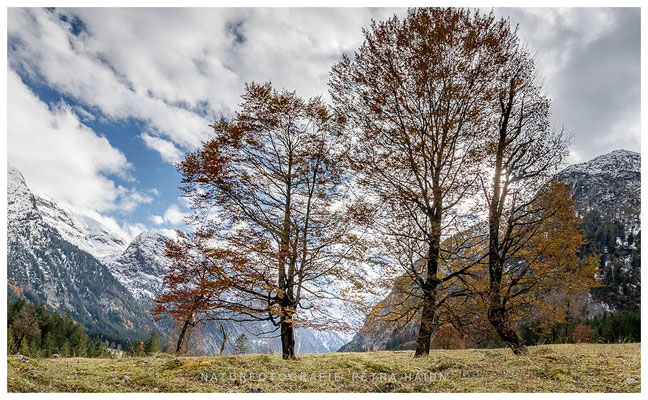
[(415, 96), (270, 184), (524, 209)]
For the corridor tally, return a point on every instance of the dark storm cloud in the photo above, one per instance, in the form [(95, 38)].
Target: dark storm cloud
[(590, 59)]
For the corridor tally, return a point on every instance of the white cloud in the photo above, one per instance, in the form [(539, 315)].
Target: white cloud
[(167, 149), (45, 47), (173, 216), (177, 70), (62, 158), (156, 219)]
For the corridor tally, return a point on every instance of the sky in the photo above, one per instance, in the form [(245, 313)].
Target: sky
[(103, 102)]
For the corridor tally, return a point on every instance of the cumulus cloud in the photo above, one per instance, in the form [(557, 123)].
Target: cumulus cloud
[(174, 71), (173, 216), (168, 151), (63, 158), (177, 70), (44, 45), (590, 61)]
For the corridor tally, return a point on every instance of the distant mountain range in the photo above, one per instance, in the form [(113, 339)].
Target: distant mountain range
[(76, 264), (607, 190)]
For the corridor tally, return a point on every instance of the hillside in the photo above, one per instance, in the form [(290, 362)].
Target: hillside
[(607, 190), (44, 267), (553, 368)]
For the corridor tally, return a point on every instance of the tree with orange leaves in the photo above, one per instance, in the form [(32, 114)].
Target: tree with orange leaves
[(270, 187), (193, 287), (416, 96)]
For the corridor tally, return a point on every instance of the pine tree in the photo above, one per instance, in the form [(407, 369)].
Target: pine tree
[(66, 351), (10, 342), (33, 348), (24, 347), (152, 345), (241, 344)]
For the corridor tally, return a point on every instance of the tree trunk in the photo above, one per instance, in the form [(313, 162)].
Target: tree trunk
[(427, 323), (182, 335), (287, 340), (497, 315), (429, 289), (498, 319), (222, 330)]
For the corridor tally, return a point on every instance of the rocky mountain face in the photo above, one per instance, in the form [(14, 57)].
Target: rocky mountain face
[(141, 266), (607, 191), (84, 232), (44, 267), (74, 263), (608, 194)]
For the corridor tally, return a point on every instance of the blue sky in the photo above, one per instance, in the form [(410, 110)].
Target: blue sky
[(102, 102)]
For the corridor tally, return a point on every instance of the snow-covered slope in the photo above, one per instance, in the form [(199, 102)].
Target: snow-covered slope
[(45, 268), (142, 265), (86, 233), (608, 183)]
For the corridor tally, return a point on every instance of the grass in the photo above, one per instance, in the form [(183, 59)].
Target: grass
[(551, 368)]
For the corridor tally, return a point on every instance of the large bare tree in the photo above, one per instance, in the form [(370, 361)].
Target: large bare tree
[(415, 96), (270, 185)]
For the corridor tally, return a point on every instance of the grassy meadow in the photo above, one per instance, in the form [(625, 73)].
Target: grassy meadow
[(550, 368)]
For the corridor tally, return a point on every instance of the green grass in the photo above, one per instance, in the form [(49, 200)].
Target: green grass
[(551, 368)]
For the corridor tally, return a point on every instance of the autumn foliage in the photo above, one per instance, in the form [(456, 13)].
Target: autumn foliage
[(583, 334), (447, 337), (431, 174)]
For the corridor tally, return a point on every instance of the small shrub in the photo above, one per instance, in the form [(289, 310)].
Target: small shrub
[(582, 334), (447, 337)]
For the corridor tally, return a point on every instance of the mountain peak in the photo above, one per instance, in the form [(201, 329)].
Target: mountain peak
[(83, 231), (612, 163)]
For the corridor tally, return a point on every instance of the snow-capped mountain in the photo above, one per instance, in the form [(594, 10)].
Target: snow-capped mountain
[(44, 267), (74, 263), (608, 194), (610, 182), (142, 265), (86, 233)]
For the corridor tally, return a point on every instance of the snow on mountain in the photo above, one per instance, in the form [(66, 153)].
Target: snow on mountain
[(85, 232), (82, 231), (142, 265), (22, 210), (609, 183), (44, 267)]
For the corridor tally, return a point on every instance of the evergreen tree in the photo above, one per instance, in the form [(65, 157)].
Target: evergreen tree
[(240, 344), (152, 345), (66, 351), (24, 347), (10, 342)]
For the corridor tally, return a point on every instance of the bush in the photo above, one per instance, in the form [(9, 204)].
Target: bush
[(447, 337), (582, 334)]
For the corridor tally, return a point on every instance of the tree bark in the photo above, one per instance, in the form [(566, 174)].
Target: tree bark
[(497, 315), (222, 330), (287, 340), (424, 334), (429, 289), (499, 320), (182, 335)]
